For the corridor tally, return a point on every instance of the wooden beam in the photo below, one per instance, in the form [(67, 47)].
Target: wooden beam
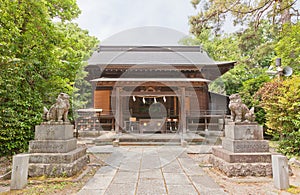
[(182, 111), (118, 109), (158, 83)]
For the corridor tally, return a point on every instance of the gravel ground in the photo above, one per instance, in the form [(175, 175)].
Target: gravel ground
[(232, 185), (52, 186), (248, 185)]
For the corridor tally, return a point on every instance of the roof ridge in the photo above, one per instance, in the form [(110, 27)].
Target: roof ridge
[(110, 48)]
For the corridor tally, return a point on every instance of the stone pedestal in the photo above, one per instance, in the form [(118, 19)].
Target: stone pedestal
[(19, 171), (280, 172), (243, 151), (54, 152)]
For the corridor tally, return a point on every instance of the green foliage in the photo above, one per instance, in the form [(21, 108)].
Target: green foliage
[(253, 49), (281, 101), (213, 13), (271, 30), (288, 48), (256, 44), (247, 92), (39, 59), (290, 145)]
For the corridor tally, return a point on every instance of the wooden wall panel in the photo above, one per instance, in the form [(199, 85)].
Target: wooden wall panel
[(200, 101), (102, 100), (187, 105)]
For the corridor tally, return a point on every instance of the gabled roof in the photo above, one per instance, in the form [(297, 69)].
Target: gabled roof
[(152, 55)]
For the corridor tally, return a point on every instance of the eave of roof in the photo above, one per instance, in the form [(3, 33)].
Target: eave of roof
[(152, 55), (151, 80)]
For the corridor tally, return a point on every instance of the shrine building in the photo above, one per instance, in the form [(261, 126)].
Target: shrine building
[(156, 89)]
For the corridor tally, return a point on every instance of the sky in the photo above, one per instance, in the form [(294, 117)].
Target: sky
[(136, 21)]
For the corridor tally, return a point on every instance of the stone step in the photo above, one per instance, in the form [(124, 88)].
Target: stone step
[(86, 141), (262, 157), (57, 169), (150, 138), (52, 146), (211, 133), (149, 143), (49, 158)]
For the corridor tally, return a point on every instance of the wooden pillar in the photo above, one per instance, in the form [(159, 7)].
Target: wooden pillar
[(93, 85), (118, 110), (121, 121), (175, 105), (182, 111)]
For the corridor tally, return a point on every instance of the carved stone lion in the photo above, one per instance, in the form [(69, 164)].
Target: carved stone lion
[(58, 111), (250, 116), (239, 111)]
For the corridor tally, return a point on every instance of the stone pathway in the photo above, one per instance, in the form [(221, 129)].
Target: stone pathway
[(149, 170)]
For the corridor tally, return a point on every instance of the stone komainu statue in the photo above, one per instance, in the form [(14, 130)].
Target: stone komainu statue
[(58, 111), (239, 111)]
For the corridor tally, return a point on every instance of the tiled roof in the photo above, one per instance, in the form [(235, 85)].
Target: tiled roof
[(151, 55)]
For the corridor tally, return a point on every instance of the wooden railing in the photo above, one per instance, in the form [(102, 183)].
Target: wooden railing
[(196, 120), (205, 119)]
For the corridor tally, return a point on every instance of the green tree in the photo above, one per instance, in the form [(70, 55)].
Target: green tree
[(39, 59), (270, 31), (248, 91), (288, 47), (253, 49), (280, 98), (213, 13)]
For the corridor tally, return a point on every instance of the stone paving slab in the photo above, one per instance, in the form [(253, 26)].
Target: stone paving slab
[(90, 192), (121, 189), (172, 167), (106, 170), (189, 167), (98, 183), (101, 149), (149, 170), (176, 178), (182, 189), (151, 186), (204, 181), (151, 174), (199, 149), (129, 166), (123, 177)]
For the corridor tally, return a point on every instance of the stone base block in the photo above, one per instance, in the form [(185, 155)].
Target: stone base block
[(241, 169), (242, 157), (52, 146), (116, 143), (57, 169), (242, 146), (184, 144), (53, 132), (49, 158), (247, 131), (19, 171)]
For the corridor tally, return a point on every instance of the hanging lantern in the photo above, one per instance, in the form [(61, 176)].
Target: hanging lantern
[(164, 98), (155, 100), (144, 101), (133, 98)]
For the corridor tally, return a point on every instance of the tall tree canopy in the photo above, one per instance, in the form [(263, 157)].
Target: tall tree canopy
[(39, 58), (280, 99), (288, 46), (270, 30), (212, 13)]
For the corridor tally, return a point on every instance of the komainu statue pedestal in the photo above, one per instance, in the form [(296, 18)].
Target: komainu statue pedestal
[(243, 151), (54, 152)]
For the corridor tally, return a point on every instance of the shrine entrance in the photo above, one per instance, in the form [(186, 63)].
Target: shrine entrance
[(152, 105), (152, 114)]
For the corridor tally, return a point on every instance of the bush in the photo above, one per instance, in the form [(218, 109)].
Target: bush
[(291, 144), (280, 99)]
